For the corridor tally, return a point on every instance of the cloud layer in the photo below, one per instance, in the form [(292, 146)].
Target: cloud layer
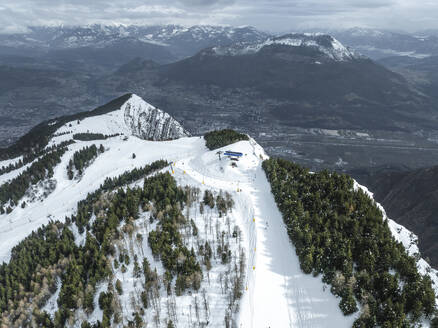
[(271, 15)]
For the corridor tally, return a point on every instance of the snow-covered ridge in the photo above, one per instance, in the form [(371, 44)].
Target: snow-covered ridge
[(97, 35), (323, 43), (135, 117)]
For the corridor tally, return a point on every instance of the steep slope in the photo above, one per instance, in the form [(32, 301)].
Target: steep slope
[(134, 117), (421, 72), (127, 114), (410, 197)]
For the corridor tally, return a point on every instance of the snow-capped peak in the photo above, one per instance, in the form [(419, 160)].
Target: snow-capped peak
[(147, 122), (98, 36), (323, 43), (135, 117)]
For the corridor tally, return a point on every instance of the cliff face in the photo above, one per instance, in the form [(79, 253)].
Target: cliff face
[(150, 123)]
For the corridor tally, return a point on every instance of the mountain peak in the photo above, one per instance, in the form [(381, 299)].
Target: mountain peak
[(147, 122), (323, 43), (134, 117)]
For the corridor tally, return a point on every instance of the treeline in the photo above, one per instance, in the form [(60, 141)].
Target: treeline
[(28, 280), (31, 157), (340, 233), (222, 138), (85, 207), (14, 190), (93, 136), (82, 159)]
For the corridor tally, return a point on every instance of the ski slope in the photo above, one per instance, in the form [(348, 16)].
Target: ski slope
[(62, 202), (277, 293)]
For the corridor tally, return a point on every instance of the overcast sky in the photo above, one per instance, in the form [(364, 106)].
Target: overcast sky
[(269, 15)]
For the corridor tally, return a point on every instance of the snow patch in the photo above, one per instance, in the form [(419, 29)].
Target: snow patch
[(52, 304)]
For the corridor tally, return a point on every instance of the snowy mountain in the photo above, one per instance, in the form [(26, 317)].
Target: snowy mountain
[(129, 239), (179, 40), (299, 80), (324, 44), (135, 117)]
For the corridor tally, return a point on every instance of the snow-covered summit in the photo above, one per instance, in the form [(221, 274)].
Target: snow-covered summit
[(323, 43), (135, 117)]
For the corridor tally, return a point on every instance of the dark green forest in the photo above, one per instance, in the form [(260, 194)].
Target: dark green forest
[(41, 169), (222, 138), (82, 159), (28, 158), (340, 233), (92, 136)]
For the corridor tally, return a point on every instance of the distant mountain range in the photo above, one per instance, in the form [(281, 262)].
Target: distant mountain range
[(112, 46), (180, 41), (279, 86), (307, 80)]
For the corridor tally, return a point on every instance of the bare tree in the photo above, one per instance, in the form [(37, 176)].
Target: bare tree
[(206, 305)]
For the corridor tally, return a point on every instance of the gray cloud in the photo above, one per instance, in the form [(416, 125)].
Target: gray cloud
[(274, 15), (207, 3)]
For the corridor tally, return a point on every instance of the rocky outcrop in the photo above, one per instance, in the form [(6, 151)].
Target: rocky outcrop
[(150, 123)]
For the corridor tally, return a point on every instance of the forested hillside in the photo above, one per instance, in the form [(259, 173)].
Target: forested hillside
[(411, 198), (52, 264), (340, 233), (12, 191), (51, 253)]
